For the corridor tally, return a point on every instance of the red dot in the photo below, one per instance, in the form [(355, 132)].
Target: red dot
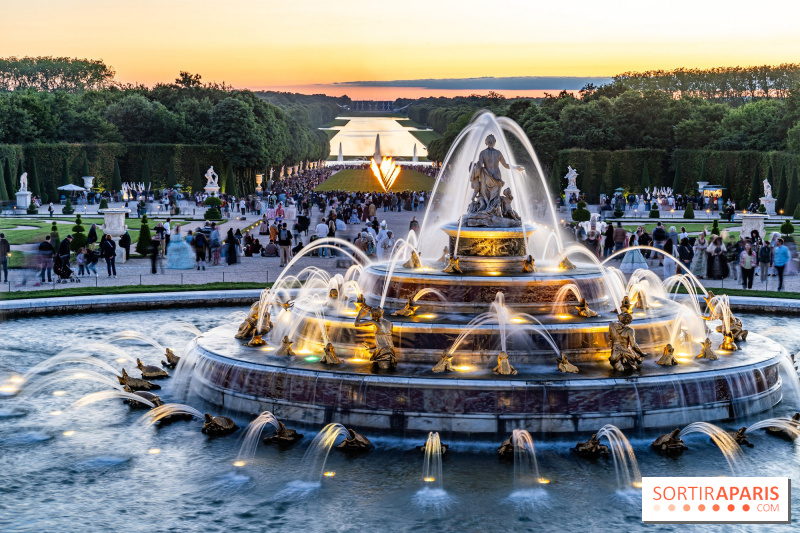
[(671, 507), (746, 507), (731, 507), (687, 507), (701, 507), (716, 507)]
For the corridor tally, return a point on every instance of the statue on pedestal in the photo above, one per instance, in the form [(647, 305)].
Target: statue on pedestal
[(571, 178), (212, 178), (767, 189), (23, 182), (487, 207)]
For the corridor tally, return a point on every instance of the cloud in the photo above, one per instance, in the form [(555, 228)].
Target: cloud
[(522, 83)]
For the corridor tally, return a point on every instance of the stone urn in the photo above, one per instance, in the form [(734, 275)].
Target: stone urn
[(114, 225)]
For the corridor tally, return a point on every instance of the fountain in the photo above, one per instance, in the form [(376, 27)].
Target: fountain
[(399, 335)]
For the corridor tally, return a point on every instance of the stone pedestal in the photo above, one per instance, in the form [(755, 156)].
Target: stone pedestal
[(24, 199), (569, 191), (753, 222), (114, 225), (769, 203), (211, 190)]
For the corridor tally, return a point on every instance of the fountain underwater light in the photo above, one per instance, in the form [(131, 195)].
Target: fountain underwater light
[(506, 305)]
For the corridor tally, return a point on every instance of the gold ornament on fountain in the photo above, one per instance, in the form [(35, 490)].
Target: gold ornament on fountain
[(583, 309), (452, 265), (151, 371), (504, 367), (443, 260), (384, 354), (286, 347), (136, 384), (172, 359), (565, 366), (625, 306), (409, 308), (529, 265), (738, 332), (727, 342), (248, 326), (625, 355), (668, 358), (707, 352), (445, 364), (413, 261), (256, 341), (329, 356), (360, 302), (287, 305), (566, 264)]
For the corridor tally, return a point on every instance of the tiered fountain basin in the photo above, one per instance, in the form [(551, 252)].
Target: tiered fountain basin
[(473, 400), (484, 249)]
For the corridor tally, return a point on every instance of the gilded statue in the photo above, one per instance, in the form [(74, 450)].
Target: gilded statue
[(248, 327), (172, 359), (283, 436), (360, 302), (136, 384), (329, 355), (384, 354), (452, 265), (625, 306), (669, 444), (413, 261), (566, 264), (444, 259), (286, 347), (625, 353), (256, 341), (504, 367), (487, 207), (151, 371), (709, 298), (740, 437), (565, 366), (445, 364), (409, 308), (354, 442), (529, 266), (668, 358), (287, 305), (591, 449), (583, 309), (707, 352), (738, 332), (727, 342)]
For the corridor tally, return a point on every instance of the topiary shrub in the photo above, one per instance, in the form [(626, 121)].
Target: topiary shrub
[(32, 209), (655, 213), (78, 235), (54, 238), (581, 214), (762, 209), (103, 204), (212, 213), (689, 211), (619, 213), (715, 227), (145, 242), (581, 205), (787, 228), (797, 212), (67, 209), (212, 201)]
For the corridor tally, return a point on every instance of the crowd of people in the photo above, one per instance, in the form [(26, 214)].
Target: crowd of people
[(705, 256)]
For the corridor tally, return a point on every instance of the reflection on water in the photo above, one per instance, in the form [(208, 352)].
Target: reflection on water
[(358, 138)]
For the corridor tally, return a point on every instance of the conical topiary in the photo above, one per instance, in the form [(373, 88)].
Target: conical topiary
[(54, 238), (116, 179), (78, 235), (782, 190), (103, 204), (689, 212), (67, 209), (715, 227), (145, 241)]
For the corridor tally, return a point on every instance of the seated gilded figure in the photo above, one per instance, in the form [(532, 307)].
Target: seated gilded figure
[(445, 364), (625, 355), (504, 367), (383, 354), (668, 358)]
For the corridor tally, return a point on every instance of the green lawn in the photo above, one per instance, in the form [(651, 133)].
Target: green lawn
[(331, 133), (90, 291), (425, 136), (408, 123), (351, 179), (753, 293), (336, 123)]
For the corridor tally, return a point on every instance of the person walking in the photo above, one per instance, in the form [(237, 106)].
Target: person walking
[(199, 243), (747, 263), (64, 250), (285, 243), (46, 253), (668, 258), (167, 232), (700, 261), (659, 238), (685, 253), (230, 243), (91, 261), (91, 237), (322, 231), (215, 244), (125, 244), (780, 258), (5, 253), (108, 250), (620, 236), (764, 260)]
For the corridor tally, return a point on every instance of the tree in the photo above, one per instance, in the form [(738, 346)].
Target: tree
[(782, 190), (230, 181), (726, 183), (645, 178), (54, 238), (793, 198), (67, 209), (116, 179), (234, 127), (145, 242), (3, 190), (677, 182), (33, 180), (755, 187), (197, 178), (85, 168), (689, 211), (53, 194), (787, 228), (78, 235), (715, 227), (11, 181)]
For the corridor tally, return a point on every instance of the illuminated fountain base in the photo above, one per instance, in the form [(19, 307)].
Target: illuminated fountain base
[(473, 400)]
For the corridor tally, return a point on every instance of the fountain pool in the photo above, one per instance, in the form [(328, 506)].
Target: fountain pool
[(107, 472)]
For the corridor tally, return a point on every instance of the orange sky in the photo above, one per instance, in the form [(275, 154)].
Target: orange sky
[(264, 43)]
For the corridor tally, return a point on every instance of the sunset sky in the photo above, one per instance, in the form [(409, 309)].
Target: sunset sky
[(267, 44)]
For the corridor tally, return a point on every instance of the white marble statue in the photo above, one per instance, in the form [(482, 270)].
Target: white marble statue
[(571, 177), (767, 189), (23, 182), (212, 177)]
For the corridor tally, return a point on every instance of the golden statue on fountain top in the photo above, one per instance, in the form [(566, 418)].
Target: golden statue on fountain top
[(452, 265)]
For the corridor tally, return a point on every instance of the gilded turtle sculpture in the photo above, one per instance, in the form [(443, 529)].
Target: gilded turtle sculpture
[(591, 449), (136, 384), (669, 444), (218, 426), (283, 436), (151, 371)]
